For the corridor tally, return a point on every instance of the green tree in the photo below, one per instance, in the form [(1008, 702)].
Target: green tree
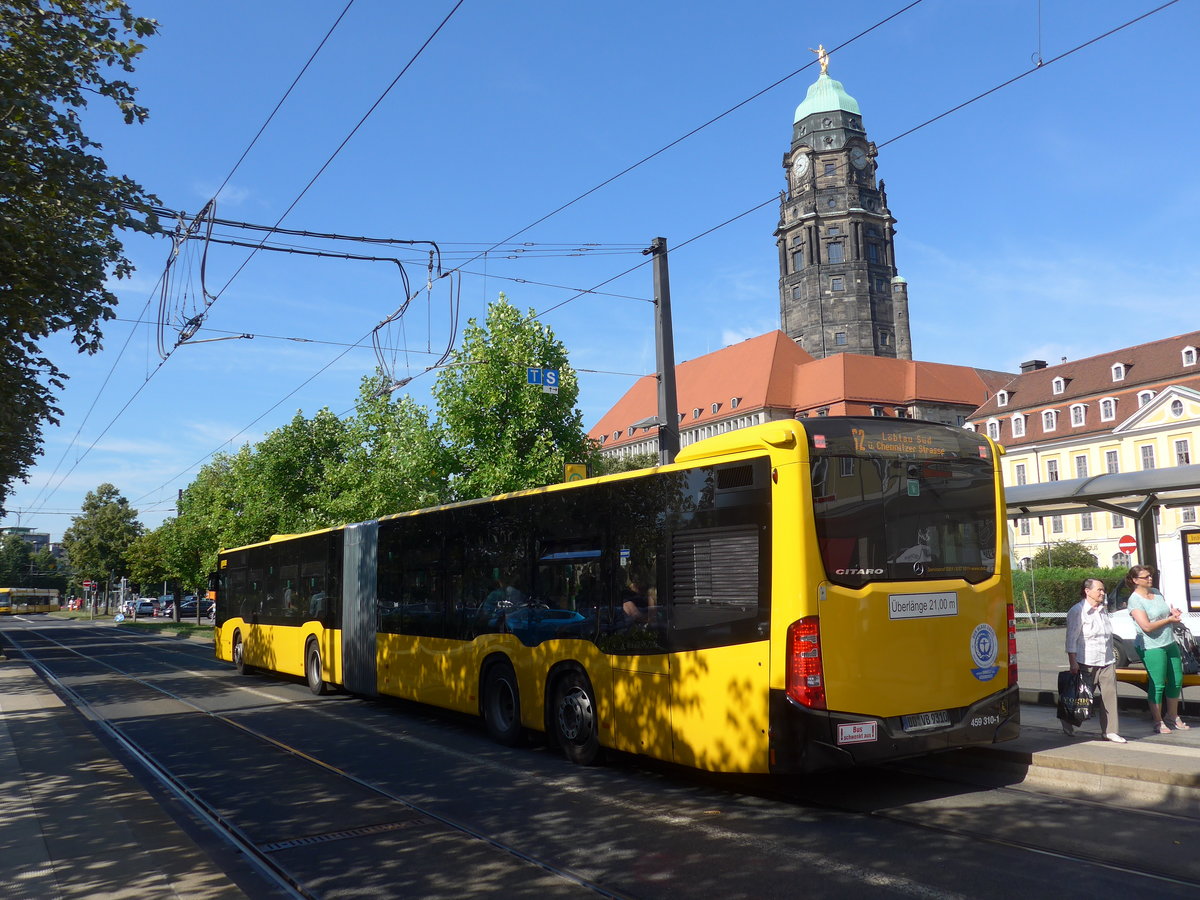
[(498, 432), (61, 208), (149, 559), (98, 540), (392, 459), (15, 557), (1065, 555)]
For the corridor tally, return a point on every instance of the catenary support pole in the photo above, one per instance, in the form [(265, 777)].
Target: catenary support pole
[(668, 405)]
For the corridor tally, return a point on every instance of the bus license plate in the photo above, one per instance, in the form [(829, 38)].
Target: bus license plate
[(921, 721)]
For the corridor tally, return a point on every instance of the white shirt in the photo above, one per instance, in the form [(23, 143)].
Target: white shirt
[(1089, 634)]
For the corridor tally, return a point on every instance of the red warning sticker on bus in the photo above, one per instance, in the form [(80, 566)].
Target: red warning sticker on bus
[(857, 733)]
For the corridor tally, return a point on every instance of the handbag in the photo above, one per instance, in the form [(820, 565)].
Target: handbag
[(1074, 698), (1188, 652)]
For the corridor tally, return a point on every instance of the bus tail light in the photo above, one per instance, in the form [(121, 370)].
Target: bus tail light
[(805, 674), (1010, 611)]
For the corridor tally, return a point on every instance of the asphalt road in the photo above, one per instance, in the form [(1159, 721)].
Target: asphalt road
[(358, 798)]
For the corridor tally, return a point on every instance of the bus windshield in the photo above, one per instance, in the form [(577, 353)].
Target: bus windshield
[(902, 501)]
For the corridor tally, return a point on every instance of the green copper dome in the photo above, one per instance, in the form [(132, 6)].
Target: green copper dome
[(826, 94)]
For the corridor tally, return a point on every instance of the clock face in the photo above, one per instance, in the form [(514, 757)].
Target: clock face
[(858, 156), (799, 166)]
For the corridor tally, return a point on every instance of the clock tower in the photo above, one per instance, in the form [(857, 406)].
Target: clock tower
[(839, 291)]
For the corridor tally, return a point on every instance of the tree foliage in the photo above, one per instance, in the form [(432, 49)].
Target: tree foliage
[(1065, 555), (60, 208), (498, 432), (98, 541)]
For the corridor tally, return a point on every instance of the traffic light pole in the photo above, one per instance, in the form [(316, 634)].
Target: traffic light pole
[(668, 405)]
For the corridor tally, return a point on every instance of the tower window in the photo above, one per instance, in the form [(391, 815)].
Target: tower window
[(795, 292), (797, 260), (872, 231), (873, 253), (834, 229), (839, 339), (884, 338), (830, 168), (881, 285), (837, 284), (837, 252)]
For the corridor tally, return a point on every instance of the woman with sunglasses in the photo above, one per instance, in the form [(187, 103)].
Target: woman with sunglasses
[(1164, 667), (1090, 651)]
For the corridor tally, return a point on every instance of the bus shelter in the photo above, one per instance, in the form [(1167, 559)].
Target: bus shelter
[(1133, 494)]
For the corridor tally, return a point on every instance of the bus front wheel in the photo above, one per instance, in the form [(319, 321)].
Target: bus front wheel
[(239, 655), (502, 704), (573, 712), (312, 669)]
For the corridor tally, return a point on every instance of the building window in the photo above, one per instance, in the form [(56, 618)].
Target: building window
[(993, 429), (837, 283), (1052, 470), (1019, 473), (885, 339), (1147, 456), (1058, 385), (881, 285), (1144, 397), (1056, 524), (1112, 463), (1189, 356), (1183, 453), (1018, 426), (797, 260), (873, 253), (696, 413), (830, 168), (839, 339), (901, 412), (735, 402), (877, 410), (1118, 521), (1081, 467), (1177, 408), (1187, 515), (1078, 415), (1118, 372), (795, 292), (715, 407), (833, 229), (1108, 409), (823, 411), (1085, 521), (1002, 398), (836, 252), (1024, 528), (1049, 420)]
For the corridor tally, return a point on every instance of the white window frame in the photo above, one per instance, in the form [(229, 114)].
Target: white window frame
[(1024, 529), (1144, 397), (1019, 473), (1056, 524), (1049, 419), (1085, 521), (1146, 455), (1052, 473), (1183, 458), (1018, 426), (1058, 385), (993, 429), (1108, 409), (1081, 471), (1111, 456), (1188, 356), (1078, 415), (1118, 372), (1187, 515), (1002, 398)]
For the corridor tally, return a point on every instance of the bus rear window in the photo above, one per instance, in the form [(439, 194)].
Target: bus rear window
[(892, 518)]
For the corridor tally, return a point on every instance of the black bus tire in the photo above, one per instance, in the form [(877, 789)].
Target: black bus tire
[(1120, 653), (239, 655), (502, 704), (574, 718), (312, 669)]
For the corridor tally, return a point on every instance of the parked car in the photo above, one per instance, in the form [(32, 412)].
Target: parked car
[(1125, 632), (145, 608), (187, 609)]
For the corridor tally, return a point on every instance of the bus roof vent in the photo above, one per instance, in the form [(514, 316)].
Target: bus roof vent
[(735, 477)]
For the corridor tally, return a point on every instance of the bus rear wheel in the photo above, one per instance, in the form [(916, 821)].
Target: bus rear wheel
[(239, 655), (502, 705), (573, 711), (312, 669)]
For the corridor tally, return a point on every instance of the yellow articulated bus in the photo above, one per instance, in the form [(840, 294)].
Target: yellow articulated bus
[(790, 597), (27, 600)]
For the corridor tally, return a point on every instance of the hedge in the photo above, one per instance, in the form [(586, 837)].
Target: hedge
[(1057, 590)]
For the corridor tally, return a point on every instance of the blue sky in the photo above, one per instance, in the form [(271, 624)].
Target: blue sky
[(1054, 217)]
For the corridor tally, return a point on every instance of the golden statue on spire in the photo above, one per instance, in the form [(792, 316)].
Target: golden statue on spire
[(822, 57)]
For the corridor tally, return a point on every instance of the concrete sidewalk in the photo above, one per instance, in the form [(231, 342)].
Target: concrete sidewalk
[(73, 821)]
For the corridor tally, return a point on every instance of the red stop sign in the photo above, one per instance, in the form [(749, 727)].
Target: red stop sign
[(1127, 543)]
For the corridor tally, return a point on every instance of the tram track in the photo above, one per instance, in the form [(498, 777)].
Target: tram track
[(375, 722), (260, 853)]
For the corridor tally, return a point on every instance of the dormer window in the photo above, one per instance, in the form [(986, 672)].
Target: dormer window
[(1108, 409), (1078, 415), (1002, 398), (1049, 420), (1189, 356), (696, 413), (1058, 385), (1118, 372), (1144, 397), (715, 407), (616, 435), (735, 402), (1018, 426), (631, 430)]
